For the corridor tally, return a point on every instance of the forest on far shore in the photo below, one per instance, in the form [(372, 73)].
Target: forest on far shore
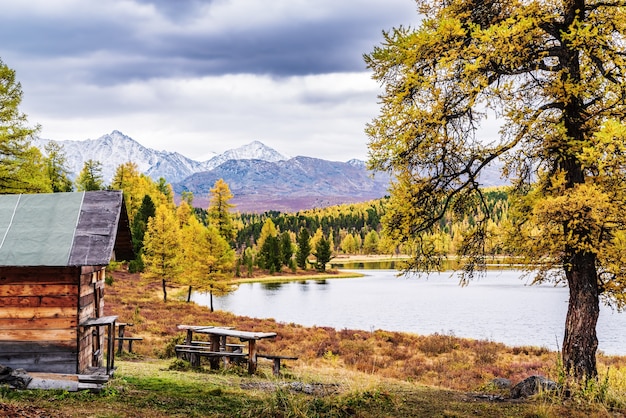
[(356, 228)]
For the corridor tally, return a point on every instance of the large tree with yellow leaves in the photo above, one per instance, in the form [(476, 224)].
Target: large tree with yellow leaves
[(552, 72)]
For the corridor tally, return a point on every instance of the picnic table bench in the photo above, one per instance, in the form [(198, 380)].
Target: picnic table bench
[(195, 352), (218, 347), (276, 358), (121, 327)]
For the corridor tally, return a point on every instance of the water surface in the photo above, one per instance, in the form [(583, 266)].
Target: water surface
[(499, 307)]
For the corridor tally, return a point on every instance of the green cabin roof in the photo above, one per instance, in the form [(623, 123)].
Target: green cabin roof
[(64, 229)]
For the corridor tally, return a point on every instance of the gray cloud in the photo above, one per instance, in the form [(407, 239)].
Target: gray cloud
[(195, 38), (88, 67)]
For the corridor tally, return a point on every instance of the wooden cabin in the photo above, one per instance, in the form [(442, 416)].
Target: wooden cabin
[(54, 249)]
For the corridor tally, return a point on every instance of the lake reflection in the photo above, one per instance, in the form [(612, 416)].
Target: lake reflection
[(499, 307)]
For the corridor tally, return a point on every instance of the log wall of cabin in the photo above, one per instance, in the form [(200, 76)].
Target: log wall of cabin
[(38, 318), (91, 305)]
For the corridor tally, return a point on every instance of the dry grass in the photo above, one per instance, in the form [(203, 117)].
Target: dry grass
[(374, 358), (440, 360)]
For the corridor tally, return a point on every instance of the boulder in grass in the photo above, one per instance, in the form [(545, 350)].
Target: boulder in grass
[(532, 386), (501, 383)]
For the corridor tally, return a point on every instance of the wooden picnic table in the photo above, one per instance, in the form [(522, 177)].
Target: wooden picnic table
[(217, 338)]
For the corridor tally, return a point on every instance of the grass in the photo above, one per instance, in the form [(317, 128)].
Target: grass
[(150, 389), (353, 373)]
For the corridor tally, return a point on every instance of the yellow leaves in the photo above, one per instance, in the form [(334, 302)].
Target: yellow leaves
[(207, 258), (553, 88), (606, 153), (581, 34), (450, 30), (161, 245), (268, 230), (578, 219)]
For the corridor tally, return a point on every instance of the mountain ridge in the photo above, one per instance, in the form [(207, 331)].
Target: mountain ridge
[(114, 149), (290, 185), (260, 177)]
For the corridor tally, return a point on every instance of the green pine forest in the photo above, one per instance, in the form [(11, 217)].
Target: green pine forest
[(357, 228)]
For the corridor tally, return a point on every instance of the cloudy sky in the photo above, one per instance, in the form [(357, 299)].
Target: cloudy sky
[(202, 76)]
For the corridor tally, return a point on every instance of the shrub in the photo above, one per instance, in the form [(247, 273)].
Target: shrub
[(170, 348), (486, 352), (437, 344), (108, 280), (136, 266)]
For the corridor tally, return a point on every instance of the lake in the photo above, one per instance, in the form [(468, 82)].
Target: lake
[(498, 307)]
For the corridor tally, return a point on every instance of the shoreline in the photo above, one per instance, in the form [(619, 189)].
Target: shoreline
[(300, 275), (289, 277), (337, 273)]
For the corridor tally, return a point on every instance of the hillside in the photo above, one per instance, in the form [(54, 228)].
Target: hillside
[(288, 186)]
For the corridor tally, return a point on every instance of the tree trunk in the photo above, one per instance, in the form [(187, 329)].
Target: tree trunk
[(189, 295), (580, 341), (211, 299), (164, 291)]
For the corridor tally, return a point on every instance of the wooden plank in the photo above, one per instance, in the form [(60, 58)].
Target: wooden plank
[(104, 320), (84, 314), (86, 290), (85, 360), (86, 301), (40, 301), (193, 327), (38, 335), (50, 384), (36, 312), (40, 323), (33, 358), (205, 346), (26, 348), (38, 275), (205, 353), (276, 359), (42, 362), (276, 356), (56, 376), (9, 290), (242, 335), (95, 277), (87, 270)]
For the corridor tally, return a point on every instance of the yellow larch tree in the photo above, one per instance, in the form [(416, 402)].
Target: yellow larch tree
[(161, 248)]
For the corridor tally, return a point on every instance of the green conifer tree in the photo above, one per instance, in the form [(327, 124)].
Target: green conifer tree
[(304, 248), (22, 167)]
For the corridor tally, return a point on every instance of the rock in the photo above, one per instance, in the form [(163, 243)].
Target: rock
[(17, 378), (501, 383), (531, 386)]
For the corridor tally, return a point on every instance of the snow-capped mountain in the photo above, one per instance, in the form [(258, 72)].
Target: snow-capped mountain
[(114, 149), (253, 151), (260, 177)]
